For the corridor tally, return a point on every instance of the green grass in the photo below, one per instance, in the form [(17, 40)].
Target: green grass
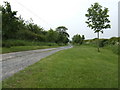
[(14, 42), (23, 48), (114, 48), (14, 45), (78, 67)]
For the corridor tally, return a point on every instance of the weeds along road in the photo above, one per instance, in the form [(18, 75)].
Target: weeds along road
[(14, 62)]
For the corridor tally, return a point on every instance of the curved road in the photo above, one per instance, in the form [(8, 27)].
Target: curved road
[(14, 62)]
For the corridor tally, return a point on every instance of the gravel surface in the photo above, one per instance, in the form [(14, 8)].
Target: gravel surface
[(14, 62)]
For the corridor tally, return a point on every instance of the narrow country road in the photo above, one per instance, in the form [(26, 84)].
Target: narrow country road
[(14, 62)]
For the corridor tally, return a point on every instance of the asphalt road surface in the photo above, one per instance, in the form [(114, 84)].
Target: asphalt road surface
[(14, 62)]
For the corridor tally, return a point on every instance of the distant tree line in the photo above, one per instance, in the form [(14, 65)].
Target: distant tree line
[(14, 27)]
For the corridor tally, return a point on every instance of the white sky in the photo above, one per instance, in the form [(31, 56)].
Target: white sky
[(68, 13)]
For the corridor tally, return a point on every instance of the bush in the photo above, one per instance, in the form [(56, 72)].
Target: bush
[(9, 43), (103, 42), (26, 35)]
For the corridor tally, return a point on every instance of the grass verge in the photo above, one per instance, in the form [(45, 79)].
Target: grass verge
[(24, 48), (78, 67)]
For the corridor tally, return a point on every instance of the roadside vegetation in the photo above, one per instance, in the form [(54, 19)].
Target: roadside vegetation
[(24, 48), (24, 45), (78, 39), (18, 32), (78, 67), (111, 44), (98, 19)]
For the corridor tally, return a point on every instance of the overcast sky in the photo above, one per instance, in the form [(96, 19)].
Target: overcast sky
[(68, 13)]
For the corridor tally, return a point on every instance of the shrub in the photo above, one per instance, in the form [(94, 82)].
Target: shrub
[(26, 35), (14, 42), (9, 43), (114, 48), (103, 42)]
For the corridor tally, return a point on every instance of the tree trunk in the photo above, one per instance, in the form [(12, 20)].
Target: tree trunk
[(98, 42)]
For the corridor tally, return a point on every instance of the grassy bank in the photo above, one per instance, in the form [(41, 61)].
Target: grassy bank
[(23, 45), (13, 42), (78, 67), (24, 48), (114, 48)]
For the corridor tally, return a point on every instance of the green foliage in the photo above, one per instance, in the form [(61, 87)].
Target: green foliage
[(35, 28), (9, 43), (77, 39), (9, 22), (112, 43), (114, 40), (62, 29), (103, 42), (114, 48), (51, 36), (62, 34), (26, 35), (24, 48), (17, 28), (97, 18), (83, 37), (13, 42)]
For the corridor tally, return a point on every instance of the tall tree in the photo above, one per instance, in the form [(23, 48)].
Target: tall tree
[(62, 30), (77, 39), (83, 38), (62, 35), (98, 19), (51, 35), (9, 22)]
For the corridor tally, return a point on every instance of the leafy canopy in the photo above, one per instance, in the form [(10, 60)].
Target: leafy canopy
[(97, 18), (62, 30), (14, 27), (77, 39)]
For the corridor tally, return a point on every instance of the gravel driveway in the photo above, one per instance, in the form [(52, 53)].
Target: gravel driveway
[(14, 62)]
